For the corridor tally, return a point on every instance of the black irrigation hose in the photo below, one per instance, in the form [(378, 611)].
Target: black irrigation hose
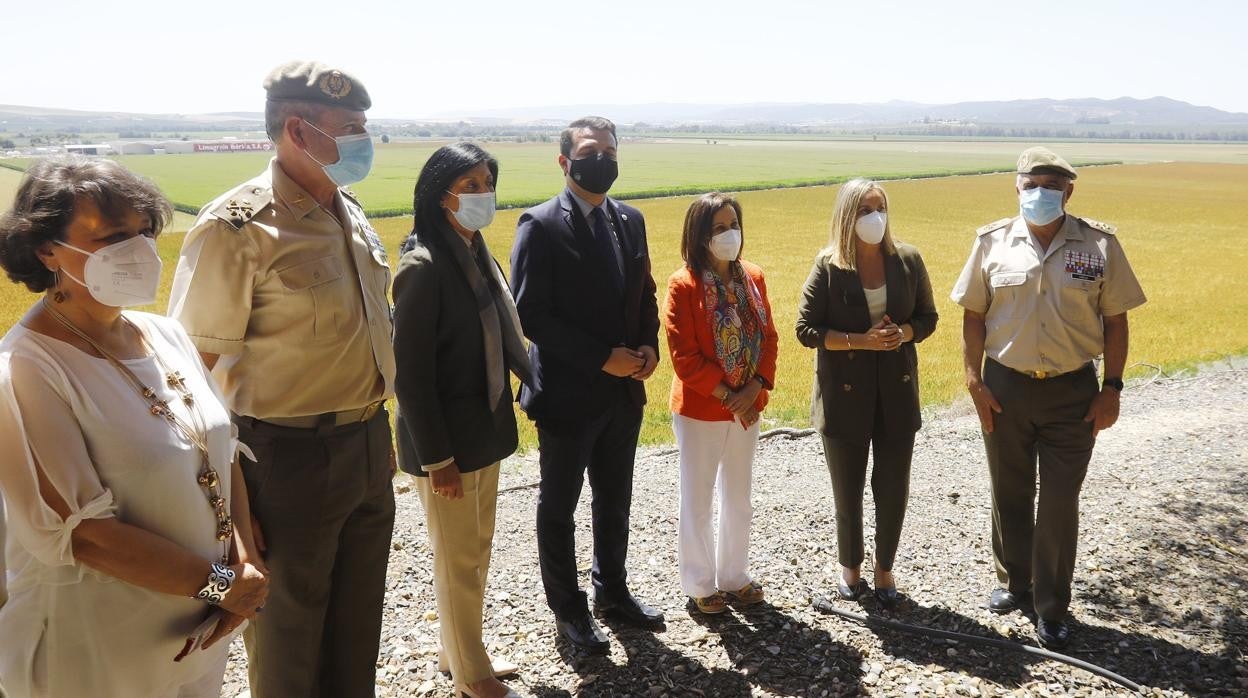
[(823, 605)]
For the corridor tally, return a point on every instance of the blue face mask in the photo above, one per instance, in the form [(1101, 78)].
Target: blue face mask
[(355, 157), (1040, 206)]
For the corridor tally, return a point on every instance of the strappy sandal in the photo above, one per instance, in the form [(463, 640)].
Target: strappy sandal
[(747, 595), (710, 605)]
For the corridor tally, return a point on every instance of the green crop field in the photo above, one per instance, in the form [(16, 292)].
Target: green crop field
[(1180, 223), (649, 167)]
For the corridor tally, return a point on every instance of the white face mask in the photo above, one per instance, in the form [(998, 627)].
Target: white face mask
[(122, 274), (476, 211), (727, 245), (870, 228)]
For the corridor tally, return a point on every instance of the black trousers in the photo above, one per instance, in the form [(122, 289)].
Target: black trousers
[(326, 506), (604, 447)]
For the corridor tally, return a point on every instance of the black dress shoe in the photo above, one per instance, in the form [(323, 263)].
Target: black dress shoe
[(1003, 601), (887, 596), (1053, 634), (584, 633), (629, 610), (851, 593)]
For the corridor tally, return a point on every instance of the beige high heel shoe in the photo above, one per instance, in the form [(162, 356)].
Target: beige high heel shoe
[(501, 667)]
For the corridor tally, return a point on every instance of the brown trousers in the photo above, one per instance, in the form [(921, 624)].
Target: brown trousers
[(326, 507), (461, 533), (1040, 424)]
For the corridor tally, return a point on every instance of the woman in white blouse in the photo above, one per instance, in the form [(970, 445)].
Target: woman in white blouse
[(129, 551)]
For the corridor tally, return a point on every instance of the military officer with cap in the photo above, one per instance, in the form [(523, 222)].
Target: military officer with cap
[(1044, 293), (282, 284)]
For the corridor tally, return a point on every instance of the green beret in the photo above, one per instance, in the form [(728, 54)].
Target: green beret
[(310, 81), (1041, 160)]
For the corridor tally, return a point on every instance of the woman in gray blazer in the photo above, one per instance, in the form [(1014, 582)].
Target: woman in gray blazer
[(456, 337), (867, 302)]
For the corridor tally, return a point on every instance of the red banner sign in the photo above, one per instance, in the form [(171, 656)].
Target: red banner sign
[(232, 147)]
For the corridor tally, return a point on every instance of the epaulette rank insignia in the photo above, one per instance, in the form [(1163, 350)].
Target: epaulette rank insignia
[(995, 225), (242, 205), (1103, 227)]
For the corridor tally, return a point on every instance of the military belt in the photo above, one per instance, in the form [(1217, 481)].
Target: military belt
[(331, 419)]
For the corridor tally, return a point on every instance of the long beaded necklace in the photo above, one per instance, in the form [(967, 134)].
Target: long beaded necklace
[(194, 433)]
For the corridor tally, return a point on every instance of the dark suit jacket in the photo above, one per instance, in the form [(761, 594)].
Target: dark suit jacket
[(444, 408), (847, 383), (572, 315)]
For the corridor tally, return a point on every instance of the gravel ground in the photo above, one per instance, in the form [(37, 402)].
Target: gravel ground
[(1161, 584)]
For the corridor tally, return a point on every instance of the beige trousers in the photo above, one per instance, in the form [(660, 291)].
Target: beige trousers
[(461, 533)]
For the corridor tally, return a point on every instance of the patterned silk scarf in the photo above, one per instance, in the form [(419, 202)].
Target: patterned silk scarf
[(737, 328)]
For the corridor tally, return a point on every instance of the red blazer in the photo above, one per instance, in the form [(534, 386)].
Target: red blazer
[(693, 349)]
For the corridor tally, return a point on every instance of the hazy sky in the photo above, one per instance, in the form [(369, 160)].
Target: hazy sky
[(425, 58)]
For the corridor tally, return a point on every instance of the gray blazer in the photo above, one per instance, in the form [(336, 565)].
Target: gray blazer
[(848, 383), (444, 408)]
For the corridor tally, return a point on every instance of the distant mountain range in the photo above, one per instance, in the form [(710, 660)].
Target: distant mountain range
[(14, 119), (1125, 111)]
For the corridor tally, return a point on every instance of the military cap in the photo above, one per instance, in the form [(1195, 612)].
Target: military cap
[(312, 81), (1041, 160)]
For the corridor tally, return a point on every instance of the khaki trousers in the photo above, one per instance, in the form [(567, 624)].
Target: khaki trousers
[(1040, 428), (461, 533)]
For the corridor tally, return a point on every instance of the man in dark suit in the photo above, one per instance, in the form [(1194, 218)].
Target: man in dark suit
[(580, 273)]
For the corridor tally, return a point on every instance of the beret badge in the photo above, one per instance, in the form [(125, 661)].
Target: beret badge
[(335, 84)]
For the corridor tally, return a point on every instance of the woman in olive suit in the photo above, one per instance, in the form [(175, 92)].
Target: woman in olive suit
[(867, 302)]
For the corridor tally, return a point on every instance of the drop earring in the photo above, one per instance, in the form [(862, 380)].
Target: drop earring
[(59, 296)]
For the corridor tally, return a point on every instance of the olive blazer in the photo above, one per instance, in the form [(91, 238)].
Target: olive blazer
[(849, 383)]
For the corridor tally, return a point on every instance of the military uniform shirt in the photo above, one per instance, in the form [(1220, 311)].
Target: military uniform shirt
[(1044, 308), (295, 302)]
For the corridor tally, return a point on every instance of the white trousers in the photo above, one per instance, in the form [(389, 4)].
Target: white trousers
[(711, 452)]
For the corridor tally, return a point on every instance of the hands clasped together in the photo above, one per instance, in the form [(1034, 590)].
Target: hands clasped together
[(884, 335), (741, 402)]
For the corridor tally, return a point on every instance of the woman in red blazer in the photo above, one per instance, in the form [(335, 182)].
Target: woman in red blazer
[(722, 338)]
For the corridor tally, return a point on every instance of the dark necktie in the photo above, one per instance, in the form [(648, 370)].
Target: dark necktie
[(609, 245)]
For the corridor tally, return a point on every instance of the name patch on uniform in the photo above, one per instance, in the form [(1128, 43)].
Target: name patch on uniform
[(1085, 266), (1007, 278)]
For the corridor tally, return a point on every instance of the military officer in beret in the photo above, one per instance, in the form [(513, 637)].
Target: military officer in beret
[(282, 284), (1044, 293)]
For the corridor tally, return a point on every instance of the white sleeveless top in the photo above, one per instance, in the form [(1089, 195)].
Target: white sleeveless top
[(877, 302)]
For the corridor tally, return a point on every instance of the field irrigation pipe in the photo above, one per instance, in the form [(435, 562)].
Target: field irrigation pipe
[(823, 605)]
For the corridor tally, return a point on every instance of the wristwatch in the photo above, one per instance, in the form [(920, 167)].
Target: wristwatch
[(220, 579), (1115, 383)]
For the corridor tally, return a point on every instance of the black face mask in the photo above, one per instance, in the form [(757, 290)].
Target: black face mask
[(595, 173)]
